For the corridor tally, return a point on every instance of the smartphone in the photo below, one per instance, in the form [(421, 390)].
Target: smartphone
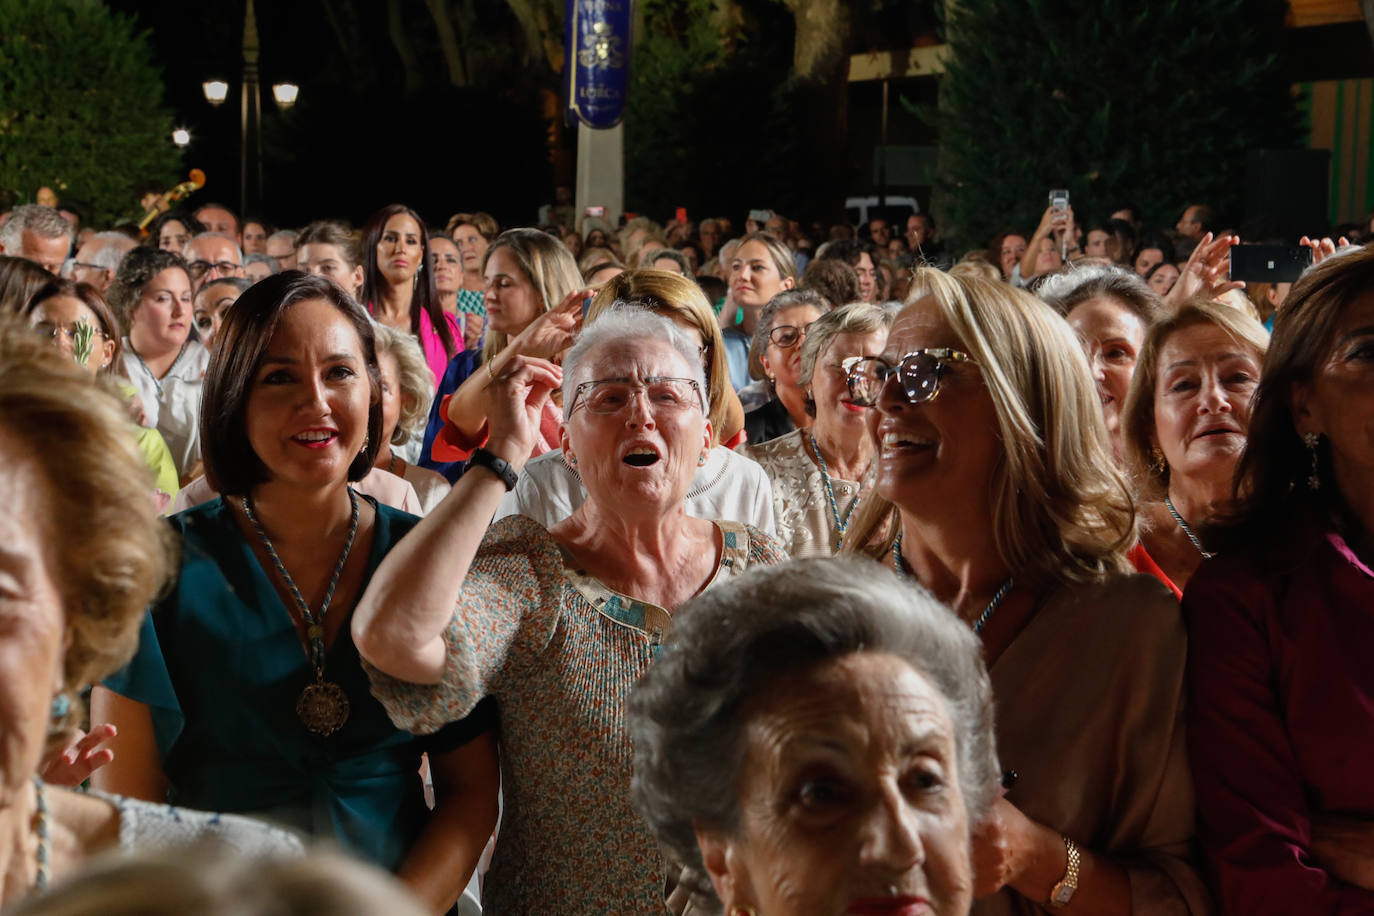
[(596, 211), (587, 304), (760, 216), (680, 215), (1269, 263), (1059, 199)]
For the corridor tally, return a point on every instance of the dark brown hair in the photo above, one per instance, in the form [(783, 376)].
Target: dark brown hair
[(231, 465), (426, 297), (136, 271)]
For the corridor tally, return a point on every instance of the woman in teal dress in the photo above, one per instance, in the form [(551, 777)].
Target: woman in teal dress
[(246, 694)]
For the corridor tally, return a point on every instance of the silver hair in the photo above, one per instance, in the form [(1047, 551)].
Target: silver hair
[(38, 219), (288, 234), (213, 235), (1070, 288), (627, 321), (259, 258), (688, 716), (113, 247)]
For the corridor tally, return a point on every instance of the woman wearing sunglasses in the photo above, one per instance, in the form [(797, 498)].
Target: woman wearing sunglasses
[(819, 474), (558, 623), (775, 403), (995, 489)]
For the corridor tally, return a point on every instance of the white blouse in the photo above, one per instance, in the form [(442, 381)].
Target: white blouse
[(172, 403)]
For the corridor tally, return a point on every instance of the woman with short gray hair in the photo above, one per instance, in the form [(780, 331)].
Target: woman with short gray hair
[(812, 748), (820, 473), (557, 623), (773, 402)]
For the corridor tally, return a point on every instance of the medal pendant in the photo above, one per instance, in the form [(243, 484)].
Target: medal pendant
[(323, 707)]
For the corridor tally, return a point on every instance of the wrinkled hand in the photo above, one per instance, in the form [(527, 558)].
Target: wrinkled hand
[(553, 332), (1345, 847), (472, 329), (75, 763), (1323, 248), (1001, 845), (136, 411), (517, 402), (1207, 271)]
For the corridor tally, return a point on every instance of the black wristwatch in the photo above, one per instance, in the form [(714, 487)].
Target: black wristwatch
[(499, 466)]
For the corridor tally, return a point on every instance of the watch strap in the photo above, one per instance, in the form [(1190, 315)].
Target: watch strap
[(482, 458), (1063, 891)]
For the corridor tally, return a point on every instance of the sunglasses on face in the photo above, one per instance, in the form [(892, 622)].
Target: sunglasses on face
[(918, 372)]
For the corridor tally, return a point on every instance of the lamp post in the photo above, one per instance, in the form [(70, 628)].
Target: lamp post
[(250, 113)]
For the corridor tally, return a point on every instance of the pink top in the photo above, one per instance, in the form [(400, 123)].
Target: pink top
[(433, 345)]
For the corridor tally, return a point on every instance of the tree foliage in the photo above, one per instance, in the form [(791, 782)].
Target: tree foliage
[(80, 107), (1153, 103)]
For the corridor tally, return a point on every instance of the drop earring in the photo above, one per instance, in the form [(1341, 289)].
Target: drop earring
[(1314, 481), (1158, 465)]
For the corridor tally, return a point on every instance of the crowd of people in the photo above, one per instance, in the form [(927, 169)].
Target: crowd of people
[(679, 567)]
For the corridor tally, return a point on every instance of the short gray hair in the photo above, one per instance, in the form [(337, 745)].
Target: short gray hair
[(259, 258), (213, 235), (854, 318), (287, 234), (628, 321), (38, 219), (687, 716), (1067, 290), (113, 247)]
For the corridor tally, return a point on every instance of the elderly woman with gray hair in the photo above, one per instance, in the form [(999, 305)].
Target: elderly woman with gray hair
[(774, 404), (820, 473), (826, 752), (556, 624)]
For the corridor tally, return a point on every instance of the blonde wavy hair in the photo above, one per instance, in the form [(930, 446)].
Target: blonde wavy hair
[(412, 374), (675, 296), (547, 263), (109, 551), (1062, 513)]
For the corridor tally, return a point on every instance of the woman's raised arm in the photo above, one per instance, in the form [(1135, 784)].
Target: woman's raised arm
[(400, 621)]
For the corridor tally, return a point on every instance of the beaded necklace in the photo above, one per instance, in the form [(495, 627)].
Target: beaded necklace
[(899, 562), (841, 524), (323, 705), (44, 838)]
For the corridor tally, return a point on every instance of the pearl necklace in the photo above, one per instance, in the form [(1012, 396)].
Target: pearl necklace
[(899, 562)]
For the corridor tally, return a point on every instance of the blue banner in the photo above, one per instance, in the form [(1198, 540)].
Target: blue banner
[(597, 60)]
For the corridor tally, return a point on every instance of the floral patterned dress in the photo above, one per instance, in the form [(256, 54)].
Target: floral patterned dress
[(801, 506), (559, 651)]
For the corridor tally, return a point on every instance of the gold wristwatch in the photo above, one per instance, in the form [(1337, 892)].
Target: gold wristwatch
[(1064, 890)]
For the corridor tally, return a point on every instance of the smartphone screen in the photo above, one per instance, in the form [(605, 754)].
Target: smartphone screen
[(1059, 199), (1269, 263)]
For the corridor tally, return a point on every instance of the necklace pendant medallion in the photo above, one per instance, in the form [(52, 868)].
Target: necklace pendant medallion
[(323, 707)]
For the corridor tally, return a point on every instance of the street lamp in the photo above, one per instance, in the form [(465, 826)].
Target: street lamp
[(285, 94), (216, 91), (181, 137)]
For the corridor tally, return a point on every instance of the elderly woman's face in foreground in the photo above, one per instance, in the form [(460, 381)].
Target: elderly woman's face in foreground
[(32, 626), (849, 797), (636, 427)]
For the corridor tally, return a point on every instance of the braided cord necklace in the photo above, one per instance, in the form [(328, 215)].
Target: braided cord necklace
[(323, 706), (1186, 530), (900, 564), (841, 524)]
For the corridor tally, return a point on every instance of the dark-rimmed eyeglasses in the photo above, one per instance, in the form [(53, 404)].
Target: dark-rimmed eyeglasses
[(918, 372), (787, 336), (199, 269), (663, 394)]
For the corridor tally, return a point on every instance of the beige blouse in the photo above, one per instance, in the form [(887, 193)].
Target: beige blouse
[(1090, 715), (801, 508)]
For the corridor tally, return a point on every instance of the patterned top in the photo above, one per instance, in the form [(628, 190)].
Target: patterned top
[(806, 524), (559, 651)]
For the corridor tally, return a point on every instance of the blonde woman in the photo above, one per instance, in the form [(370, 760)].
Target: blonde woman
[(406, 385), (995, 489), (534, 308)]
